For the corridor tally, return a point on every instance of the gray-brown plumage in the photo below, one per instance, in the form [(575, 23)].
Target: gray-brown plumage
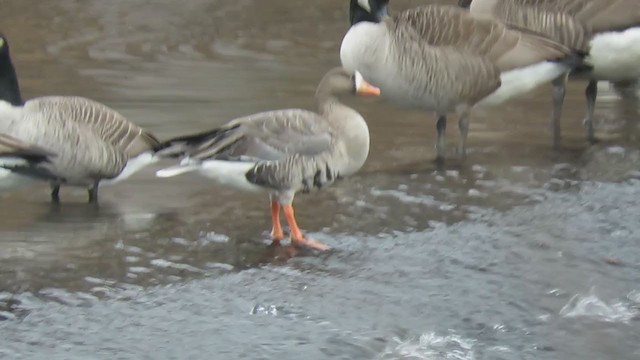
[(92, 142), (11, 147), (609, 30), (285, 151), (19, 162), (442, 59)]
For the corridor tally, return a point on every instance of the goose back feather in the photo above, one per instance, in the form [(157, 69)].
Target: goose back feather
[(444, 26), (272, 135), (12, 147), (83, 156), (19, 163), (92, 116), (570, 22)]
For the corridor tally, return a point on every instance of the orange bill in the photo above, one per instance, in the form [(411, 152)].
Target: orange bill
[(363, 88)]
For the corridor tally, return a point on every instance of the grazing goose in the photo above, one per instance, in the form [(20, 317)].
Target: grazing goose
[(609, 30), (284, 151), (18, 158), (92, 141), (440, 58)]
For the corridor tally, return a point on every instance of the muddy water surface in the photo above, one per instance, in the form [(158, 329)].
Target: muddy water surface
[(517, 253)]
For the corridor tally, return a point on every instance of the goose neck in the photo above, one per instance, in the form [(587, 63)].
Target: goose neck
[(9, 87)]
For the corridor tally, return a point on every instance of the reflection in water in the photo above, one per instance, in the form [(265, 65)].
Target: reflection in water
[(475, 260)]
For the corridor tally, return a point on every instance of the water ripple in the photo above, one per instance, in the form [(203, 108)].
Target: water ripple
[(431, 346), (592, 307)]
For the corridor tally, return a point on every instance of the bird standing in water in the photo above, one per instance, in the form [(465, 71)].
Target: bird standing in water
[(607, 30), (442, 59), (283, 152), (92, 142)]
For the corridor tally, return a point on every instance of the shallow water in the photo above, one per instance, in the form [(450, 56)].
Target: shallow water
[(517, 253)]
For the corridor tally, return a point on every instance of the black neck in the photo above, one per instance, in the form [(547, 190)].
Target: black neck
[(358, 14), (9, 88), (464, 3)]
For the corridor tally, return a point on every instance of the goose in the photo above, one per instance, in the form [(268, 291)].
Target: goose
[(92, 142), (440, 58), (18, 161), (609, 30), (283, 152)]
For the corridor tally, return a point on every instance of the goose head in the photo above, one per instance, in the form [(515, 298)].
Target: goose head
[(367, 10), (9, 90), (5, 58), (339, 81), (464, 3)]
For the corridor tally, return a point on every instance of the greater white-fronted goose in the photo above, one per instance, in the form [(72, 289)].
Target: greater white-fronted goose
[(92, 141), (609, 30), (441, 58), (283, 152)]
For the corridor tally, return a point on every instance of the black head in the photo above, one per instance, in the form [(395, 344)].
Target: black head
[(4, 48), (464, 3), (367, 10), (9, 90)]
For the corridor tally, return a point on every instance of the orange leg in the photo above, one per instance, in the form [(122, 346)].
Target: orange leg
[(296, 235), (276, 232)]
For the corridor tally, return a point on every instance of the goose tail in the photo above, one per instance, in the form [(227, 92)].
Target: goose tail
[(179, 146), (176, 170), (17, 161), (577, 61), (133, 166)]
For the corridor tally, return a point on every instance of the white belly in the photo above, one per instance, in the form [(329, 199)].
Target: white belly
[(615, 56), (229, 173), (522, 80)]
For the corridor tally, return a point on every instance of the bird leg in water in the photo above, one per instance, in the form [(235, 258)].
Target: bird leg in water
[(441, 127), (463, 127), (276, 232), (93, 193), (296, 235), (591, 92), (559, 91), (55, 194)]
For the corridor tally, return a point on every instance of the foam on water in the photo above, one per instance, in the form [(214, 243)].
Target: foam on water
[(431, 346), (591, 307)]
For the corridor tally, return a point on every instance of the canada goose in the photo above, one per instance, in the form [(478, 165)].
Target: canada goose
[(609, 30), (18, 158), (284, 151), (92, 141), (440, 58)]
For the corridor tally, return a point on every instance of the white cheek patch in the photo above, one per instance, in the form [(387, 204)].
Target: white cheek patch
[(359, 80), (365, 5), (1, 42)]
